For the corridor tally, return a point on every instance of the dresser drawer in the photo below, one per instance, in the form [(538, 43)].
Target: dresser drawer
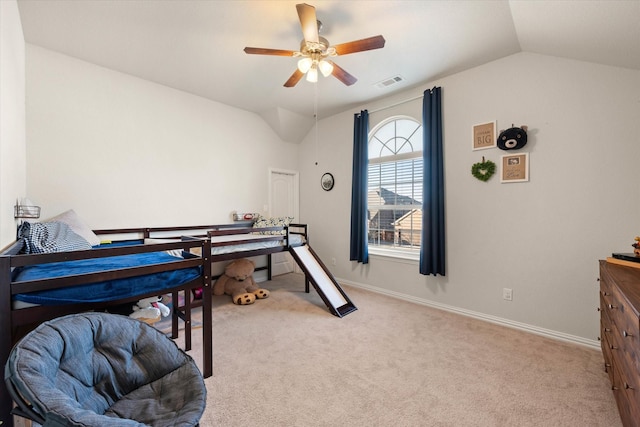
[(622, 400), (630, 346), (605, 343), (606, 281), (628, 375), (629, 384), (626, 322), (605, 317), (605, 285), (606, 296), (616, 344)]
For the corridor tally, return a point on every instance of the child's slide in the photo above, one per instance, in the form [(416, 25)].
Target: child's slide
[(322, 280)]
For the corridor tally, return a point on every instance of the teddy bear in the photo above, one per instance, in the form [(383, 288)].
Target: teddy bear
[(150, 309), (238, 282)]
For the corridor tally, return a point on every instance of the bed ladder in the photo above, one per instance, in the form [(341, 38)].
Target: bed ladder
[(322, 280)]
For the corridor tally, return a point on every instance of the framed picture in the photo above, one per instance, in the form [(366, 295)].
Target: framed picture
[(484, 135), (327, 181), (515, 167)]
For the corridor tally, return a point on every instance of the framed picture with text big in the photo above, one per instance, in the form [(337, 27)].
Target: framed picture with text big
[(484, 136)]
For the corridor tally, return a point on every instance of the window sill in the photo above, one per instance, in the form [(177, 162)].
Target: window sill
[(400, 255)]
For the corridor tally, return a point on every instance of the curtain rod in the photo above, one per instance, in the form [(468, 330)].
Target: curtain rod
[(396, 104)]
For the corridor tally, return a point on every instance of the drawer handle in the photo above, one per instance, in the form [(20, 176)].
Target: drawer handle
[(627, 386), (611, 306), (613, 347), (605, 293), (614, 388), (607, 330), (626, 334)]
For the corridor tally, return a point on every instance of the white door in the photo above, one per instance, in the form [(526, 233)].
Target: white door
[(283, 201)]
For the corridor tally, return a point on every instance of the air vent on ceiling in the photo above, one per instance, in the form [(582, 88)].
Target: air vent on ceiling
[(389, 82)]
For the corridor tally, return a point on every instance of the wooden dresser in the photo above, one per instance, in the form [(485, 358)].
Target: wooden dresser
[(620, 336)]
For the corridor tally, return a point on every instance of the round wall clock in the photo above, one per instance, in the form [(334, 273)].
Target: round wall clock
[(327, 181)]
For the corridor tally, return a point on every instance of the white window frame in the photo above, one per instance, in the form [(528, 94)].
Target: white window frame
[(400, 254)]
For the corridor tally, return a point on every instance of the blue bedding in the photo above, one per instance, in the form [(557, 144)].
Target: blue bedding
[(108, 290)]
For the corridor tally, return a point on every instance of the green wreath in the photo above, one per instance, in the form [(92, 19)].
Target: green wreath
[(483, 170)]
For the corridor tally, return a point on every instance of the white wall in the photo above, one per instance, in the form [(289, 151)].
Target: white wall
[(125, 152), (12, 118), (542, 238)]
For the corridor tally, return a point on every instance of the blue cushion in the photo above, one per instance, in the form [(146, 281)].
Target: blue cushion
[(95, 369)]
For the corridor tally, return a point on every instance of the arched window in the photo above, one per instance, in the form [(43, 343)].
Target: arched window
[(395, 185)]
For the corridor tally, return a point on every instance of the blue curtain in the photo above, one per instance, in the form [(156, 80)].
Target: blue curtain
[(432, 249), (359, 247)]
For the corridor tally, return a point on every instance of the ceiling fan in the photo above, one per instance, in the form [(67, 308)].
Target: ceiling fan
[(315, 50)]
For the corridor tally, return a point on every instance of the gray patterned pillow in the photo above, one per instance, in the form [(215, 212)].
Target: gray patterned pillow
[(47, 237), (282, 221)]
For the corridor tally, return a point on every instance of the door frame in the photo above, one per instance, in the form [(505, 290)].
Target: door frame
[(296, 199)]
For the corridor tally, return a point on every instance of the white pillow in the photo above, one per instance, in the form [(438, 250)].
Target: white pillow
[(77, 225)]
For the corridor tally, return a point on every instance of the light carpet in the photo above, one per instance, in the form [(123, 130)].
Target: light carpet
[(286, 361)]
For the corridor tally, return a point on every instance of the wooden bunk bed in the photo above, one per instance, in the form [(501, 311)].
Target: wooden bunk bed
[(200, 254)]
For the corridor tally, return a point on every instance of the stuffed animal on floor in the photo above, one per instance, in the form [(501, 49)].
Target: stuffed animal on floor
[(150, 309), (238, 282)]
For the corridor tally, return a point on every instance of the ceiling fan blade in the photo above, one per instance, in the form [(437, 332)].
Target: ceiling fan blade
[(375, 42), (264, 51), (340, 74), (308, 22), (294, 79)]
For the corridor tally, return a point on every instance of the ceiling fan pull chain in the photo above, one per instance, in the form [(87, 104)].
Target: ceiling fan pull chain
[(315, 115)]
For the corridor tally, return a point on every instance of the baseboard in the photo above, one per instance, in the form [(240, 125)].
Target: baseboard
[(561, 336)]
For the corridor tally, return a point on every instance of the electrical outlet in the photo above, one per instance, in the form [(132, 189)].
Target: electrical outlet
[(507, 294)]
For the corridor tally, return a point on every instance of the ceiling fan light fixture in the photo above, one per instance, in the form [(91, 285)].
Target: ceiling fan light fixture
[(315, 48), (312, 74), (305, 64), (326, 68)]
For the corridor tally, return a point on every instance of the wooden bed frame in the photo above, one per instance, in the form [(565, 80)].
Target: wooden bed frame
[(195, 239), (245, 236)]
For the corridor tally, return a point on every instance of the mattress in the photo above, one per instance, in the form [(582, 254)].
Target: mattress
[(108, 290), (294, 240)]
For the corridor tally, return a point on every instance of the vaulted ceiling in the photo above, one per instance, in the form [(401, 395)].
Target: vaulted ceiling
[(197, 46)]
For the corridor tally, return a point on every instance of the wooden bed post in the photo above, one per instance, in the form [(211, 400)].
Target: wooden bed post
[(6, 419), (207, 314)]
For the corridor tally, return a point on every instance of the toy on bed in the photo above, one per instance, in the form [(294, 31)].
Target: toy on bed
[(238, 282), (149, 310), (636, 246)]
